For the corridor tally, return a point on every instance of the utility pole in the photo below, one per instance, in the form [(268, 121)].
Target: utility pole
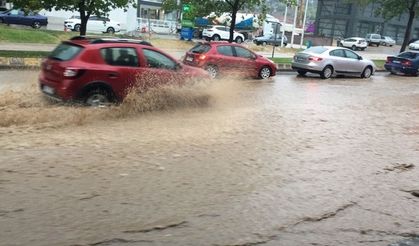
[(285, 21), (304, 25), (293, 26)]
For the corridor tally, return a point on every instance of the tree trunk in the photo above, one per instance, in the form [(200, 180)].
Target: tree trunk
[(409, 26), (235, 9), (84, 17), (300, 15)]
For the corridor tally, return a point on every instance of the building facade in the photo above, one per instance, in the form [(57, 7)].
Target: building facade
[(341, 19)]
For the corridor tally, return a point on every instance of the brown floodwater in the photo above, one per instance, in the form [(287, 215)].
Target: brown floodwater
[(287, 161)]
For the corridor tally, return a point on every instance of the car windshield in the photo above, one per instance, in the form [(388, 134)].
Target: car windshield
[(65, 52), (201, 48), (316, 50), (408, 55)]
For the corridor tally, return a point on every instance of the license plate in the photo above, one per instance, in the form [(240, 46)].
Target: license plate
[(48, 90), (189, 58)]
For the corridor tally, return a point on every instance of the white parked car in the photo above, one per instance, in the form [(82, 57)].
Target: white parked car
[(354, 43), (95, 24), (414, 45), (387, 41), (218, 33)]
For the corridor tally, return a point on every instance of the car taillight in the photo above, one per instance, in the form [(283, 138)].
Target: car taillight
[(202, 57), (71, 72), (314, 58), (407, 63), (389, 59)]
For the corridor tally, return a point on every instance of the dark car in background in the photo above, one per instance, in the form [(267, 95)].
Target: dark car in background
[(19, 17), (3, 9), (271, 40), (404, 63), (223, 58)]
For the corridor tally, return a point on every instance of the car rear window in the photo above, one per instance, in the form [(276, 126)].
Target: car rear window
[(316, 50), (201, 48), (65, 52), (408, 55)]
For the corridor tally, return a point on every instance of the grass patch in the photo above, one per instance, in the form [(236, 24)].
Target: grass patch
[(23, 54), (282, 60), (379, 63)]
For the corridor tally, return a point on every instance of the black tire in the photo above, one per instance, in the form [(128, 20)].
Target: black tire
[(239, 40), (216, 37), (353, 47), (36, 24), (77, 27), (302, 72), (212, 71), (110, 30), (367, 72), (327, 72), (264, 43), (98, 97), (265, 72)]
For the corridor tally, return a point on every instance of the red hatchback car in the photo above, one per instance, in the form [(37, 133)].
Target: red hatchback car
[(98, 71), (227, 58)]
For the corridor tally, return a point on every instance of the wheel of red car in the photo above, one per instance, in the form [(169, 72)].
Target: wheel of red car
[(110, 30), (265, 72), (36, 24), (98, 98), (77, 28), (239, 40), (212, 71), (216, 37)]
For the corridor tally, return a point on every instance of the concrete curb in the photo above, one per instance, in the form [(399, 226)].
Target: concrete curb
[(35, 63)]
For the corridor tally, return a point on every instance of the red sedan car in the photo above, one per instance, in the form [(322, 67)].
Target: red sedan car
[(227, 58), (99, 71)]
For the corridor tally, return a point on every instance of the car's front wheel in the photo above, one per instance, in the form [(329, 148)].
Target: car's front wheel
[(212, 71), (353, 47), (216, 37), (327, 72), (77, 27), (265, 72), (36, 24), (367, 72), (98, 98), (110, 30), (239, 40)]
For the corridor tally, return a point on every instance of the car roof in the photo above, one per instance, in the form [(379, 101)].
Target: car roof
[(88, 40), (355, 38)]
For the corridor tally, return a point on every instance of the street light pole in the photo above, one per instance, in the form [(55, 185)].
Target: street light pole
[(283, 27), (304, 25), (293, 26)]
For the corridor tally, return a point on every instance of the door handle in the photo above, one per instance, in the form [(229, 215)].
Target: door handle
[(113, 75)]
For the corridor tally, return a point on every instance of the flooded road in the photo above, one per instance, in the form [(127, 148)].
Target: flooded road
[(289, 161)]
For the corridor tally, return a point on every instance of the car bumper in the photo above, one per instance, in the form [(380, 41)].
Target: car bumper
[(399, 69), (59, 91), (309, 67)]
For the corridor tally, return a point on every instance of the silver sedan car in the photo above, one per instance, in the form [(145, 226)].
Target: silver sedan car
[(328, 61)]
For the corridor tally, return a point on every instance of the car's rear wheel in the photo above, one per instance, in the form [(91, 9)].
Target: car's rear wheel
[(212, 71), (265, 73), (216, 37), (36, 24), (264, 43), (98, 98), (367, 72), (110, 30), (327, 72), (77, 28), (239, 40), (353, 47), (302, 72)]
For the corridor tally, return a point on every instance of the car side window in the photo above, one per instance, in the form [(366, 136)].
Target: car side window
[(14, 12), (158, 60), (225, 50), (244, 53), (126, 57), (338, 53), (351, 55)]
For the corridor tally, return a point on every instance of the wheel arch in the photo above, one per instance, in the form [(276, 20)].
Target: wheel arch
[(96, 85)]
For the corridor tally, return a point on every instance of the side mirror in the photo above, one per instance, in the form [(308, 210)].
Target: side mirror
[(359, 57)]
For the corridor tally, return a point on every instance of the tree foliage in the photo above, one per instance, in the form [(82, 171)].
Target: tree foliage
[(86, 8), (389, 9)]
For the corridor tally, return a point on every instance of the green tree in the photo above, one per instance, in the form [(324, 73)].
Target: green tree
[(393, 8), (84, 7)]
